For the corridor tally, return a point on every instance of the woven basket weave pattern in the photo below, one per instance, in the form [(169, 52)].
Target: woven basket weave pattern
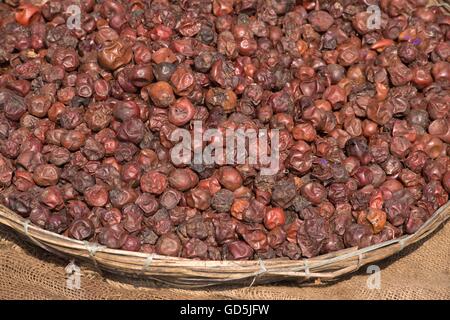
[(191, 273)]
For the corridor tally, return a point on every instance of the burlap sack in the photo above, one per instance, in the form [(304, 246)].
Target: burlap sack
[(421, 271)]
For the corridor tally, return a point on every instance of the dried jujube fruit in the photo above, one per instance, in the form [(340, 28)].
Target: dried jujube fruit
[(122, 196), (358, 235), (46, 175), (39, 216), (183, 179), (96, 196), (283, 193), (110, 217), (195, 248), (115, 54), (132, 243), (169, 245), (161, 94), (239, 250), (257, 240), (20, 203), (314, 192), (230, 178), (113, 236), (198, 198), (154, 182), (132, 218), (81, 229), (148, 203), (170, 198), (57, 222), (222, 200), (274, 217), (377, 219), (52, 198)]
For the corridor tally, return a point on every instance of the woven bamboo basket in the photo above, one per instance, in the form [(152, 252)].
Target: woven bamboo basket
[(181, 272), (194, 273)]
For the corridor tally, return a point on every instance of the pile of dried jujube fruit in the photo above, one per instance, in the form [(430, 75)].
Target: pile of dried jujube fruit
[(363, 115)]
